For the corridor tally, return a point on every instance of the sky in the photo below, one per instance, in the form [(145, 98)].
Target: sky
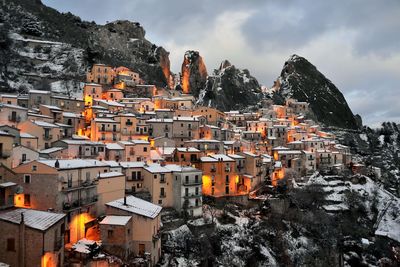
[(354, 43)]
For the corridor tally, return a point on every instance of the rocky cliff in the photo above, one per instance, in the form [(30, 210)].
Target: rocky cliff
[(230, 88), (301, 80), (42, 47), (194, 73)]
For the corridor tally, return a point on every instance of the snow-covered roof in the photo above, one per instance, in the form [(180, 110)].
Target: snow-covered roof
[(222, 157), (236, 156), (137, 206), (131, 164), (51, 150), (75, 163), (208, 159), (7, 184), (114, 146), (250, 154), (179, 168), (187, 149), (176, 118), (51, 107), (109, 175), (156, 168), (116, 220), (71, 115), (13, 106), (39, 92), (40, 220), (105, 120), (45, 124), (81, 142), (154, 120), (26, 135)]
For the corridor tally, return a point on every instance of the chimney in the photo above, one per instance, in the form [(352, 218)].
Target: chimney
[(125, 201), (56, 165)]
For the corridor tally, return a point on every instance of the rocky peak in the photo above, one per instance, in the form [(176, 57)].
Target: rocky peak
[(224, 64), (194, 73), (301, 80), (230, 88)]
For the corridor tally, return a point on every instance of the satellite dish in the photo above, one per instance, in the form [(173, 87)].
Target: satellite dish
[(19, 190)]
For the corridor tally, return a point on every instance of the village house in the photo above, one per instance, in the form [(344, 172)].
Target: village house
[(157, 180), (116, 235), (70, 186), (68, 104), (32, 238), (101, 74), (12, 114), (22, 154), (105, 130), (187, 190), (46, 132), (220, 177), (38, 97), (145, 225), (6, 147), (9, 99), (81, 148)]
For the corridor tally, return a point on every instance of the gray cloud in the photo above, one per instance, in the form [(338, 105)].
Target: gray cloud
[(354, 43)]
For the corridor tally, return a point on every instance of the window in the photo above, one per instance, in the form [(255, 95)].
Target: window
[(227, 179), (27, 179), (144, 149), (187, 179), (186, 191), (10, 244), (227, 190), (110, 233), (27, 200), (139, 185), (34, 168), (87, 176)]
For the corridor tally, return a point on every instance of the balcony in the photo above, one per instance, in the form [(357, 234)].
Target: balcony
[(163, 195), (47, 137), (14, 118), (192, 195), (192, 182), (5, 153), (79, 186)]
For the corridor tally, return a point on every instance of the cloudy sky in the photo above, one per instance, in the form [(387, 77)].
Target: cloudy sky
[(356, 43)]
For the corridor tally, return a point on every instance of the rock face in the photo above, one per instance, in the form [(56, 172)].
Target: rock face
[(194, 73), (301, 80), (42, 44), (230, 88)]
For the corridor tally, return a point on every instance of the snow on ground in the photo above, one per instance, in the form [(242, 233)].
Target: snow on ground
[(388, 205)]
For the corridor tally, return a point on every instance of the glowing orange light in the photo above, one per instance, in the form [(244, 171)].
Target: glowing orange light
[(77, 227), (49, 260), (19, 201)]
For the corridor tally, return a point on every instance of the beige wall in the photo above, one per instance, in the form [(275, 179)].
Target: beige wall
[(109, 189)]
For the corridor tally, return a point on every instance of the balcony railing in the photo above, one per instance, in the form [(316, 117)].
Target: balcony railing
[(14, 118), (79, 185), (47, 136), (5, 153), (192, 195), (192, 182)]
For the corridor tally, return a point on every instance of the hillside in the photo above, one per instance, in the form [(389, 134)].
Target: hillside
[(41, 46)]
